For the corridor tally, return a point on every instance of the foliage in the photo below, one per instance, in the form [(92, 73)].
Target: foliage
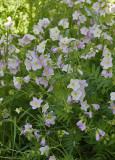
[(57, 80)]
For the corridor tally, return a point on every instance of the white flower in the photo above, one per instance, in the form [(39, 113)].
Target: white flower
[(35, 64), (54, 31), (45, 108), (36, 103), (64, 23), (84, 106), (106, 62), (97, 32), (96, 6), (74, 84), (75, 15), (31, 37), (1, 99), (84, 30), (82, 18), (17, 110), (106, 53), (112, 96), (76, 95), (28, 64), (67, 68), (41, 47), (64, 40)]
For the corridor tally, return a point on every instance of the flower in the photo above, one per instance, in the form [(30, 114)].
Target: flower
[(52, 158), (41, 47), (67, 68), (106, 62), (97, 32), (44, 150), (84, 106), (81, 125), (35, 63), (84, 30), (36, 134), (17, 110), (102, 133), (43, 142), (112, 96), (28, 128), (64, 23), (75, 15), (45, 108), (97, 137), (96, 106), (9, 23), (36, 103), (48, 71), (26, 79), (112, 106), (74, 84), (76, 95)]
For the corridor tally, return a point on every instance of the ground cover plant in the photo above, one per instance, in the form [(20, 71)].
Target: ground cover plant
[(57, 80)]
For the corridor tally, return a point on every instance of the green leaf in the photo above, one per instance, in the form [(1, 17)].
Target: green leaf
[(93, 15)]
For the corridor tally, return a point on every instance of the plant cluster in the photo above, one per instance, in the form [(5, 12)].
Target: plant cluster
[(57, 82)]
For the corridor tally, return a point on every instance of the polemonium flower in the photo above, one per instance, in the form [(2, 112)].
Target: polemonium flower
[(112, 96), (82, 18), (41, 47), (45, 108), (84, 30), (26, 79), (97, 32), (50, 88), (28, 127), (48, 71), (104, 73), (36, 64), (74, 84), (84, 106), (26, 40), (81, 126), (97, 137), (88, 113), (17, 110), (106, 62), (44, 150), (36, 103), (106, 53), (43, 142), (37, 135), (76, 95), (52, 158), (9, 23), (102, 133), (112, 106), (64, 23), (5, 113), (66, 133), (54, 49), (23, 131), (76, 15), (83, 83), (80, 72), (96, 6), (96, 106), (28, 64), (43, 81), (67, 68), (16, 82)]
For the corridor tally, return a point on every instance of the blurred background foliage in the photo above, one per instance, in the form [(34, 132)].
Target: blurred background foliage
[(26, 13)]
